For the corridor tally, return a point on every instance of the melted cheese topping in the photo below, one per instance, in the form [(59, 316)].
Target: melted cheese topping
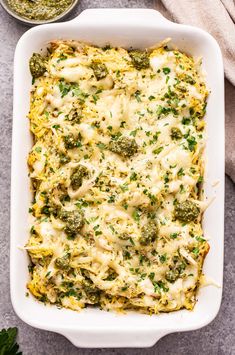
[(112, 258)]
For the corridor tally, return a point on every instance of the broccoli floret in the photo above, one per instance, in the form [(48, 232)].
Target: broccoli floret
[(37, 65), (186, 211), (149, 233), (176, 133), (100, 70), (74, 221), (78, 175), (124, 146), (140, 60)]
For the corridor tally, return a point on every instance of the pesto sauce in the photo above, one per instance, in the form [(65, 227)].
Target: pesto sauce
[(39, 9)]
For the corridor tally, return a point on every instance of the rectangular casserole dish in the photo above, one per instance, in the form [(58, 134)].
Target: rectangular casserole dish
[(136, 28)]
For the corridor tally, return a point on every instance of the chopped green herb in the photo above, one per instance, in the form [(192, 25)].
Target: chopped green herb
[(111, 199), (174, 235), (181, 172), (195, 251), (101, 146), (159, 286), (56, 126), (95, 98), (191, 143), (133, 133), (125, 206), (124, 187), (166, 70), (163, 258), (133, 176), (137, 95), (64, 88), (62, 57), (151, 276), (200, 239), (38, 149), (186, 121), (158, 150), (200, 179), (136, 215)]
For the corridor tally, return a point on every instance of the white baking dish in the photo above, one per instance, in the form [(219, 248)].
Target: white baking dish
[(94, 328)]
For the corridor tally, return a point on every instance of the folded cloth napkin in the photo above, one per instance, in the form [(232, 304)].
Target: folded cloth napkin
[(217, 17)]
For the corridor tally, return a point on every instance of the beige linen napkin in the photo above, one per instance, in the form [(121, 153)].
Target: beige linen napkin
[(217, 17)]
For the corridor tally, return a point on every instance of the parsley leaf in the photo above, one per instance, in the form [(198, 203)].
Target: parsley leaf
[(174, 235), (133, 176), (38, 149), (158, 150), (191, 143), (95, 98), (56, 126), (61, 57), (181, 172), (137, 95), (196, 251), (8, 345), (166, 70), (133, 133), (101, 146), (163, 258), (159, 286), (136, 215), (200, 239), (64, 88)]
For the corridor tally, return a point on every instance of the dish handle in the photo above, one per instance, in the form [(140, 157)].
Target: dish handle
[(115, 16), (114, 339)]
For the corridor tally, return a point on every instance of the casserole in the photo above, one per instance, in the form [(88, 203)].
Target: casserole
[(92, 327), (115, 216)]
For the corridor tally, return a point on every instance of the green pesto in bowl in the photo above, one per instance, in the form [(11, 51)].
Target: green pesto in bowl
[(39, 9)]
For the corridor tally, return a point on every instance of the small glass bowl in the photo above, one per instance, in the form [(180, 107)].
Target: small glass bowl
[(31, 22)]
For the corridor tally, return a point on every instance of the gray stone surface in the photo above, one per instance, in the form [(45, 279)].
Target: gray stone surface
[(217, 338)]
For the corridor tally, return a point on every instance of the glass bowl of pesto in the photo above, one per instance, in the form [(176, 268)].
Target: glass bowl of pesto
[(36, 12)]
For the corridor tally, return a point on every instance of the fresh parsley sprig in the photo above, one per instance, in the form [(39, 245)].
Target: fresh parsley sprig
[(8, 344)]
